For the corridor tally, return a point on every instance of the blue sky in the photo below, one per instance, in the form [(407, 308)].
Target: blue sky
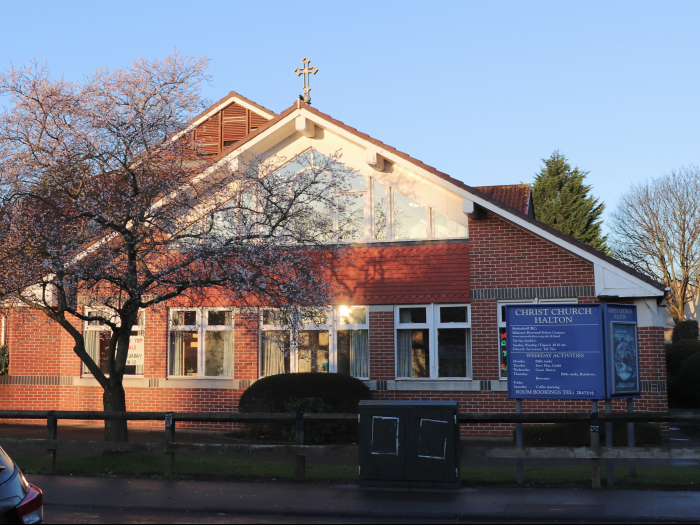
[(480, 90)]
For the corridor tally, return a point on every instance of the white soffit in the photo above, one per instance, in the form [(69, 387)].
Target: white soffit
[(609, 279)]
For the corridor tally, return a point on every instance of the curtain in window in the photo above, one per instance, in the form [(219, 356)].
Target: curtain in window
[(273, 353), (228, 352), (92, 346), (176, 347), (404, 315), (404, 351), (359, 353)]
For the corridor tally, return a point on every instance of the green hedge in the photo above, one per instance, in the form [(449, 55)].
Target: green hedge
[(305, 393), (340, 394), (578, 434), (685, 330), (683, 390), (678, 353), (4, 360)]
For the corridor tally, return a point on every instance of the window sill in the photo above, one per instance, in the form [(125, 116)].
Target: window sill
[(439, 385), (205, 382)]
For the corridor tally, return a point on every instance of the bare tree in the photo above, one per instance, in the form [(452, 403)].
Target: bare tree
[(108, 207), (656, 230)]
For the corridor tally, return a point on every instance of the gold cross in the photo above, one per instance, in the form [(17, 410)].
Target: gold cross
[(305, 71)]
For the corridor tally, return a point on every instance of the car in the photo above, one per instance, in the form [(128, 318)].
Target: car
[(20, 501)]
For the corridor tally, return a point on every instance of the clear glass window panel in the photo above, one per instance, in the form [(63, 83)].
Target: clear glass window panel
[(454, 314), (413, 315), (97, 313), (452, 352), (353, 353), (380, 207), (313, 351), (352, 315), (275, 354), (222, 224), (219, 317), (314, 221), (413, 353), (218, 357), (410, 218), (185, 318), (502, 353), (184, 350), (297, 164), (351, 216), (446, 228), (314, 316), (272, 318)]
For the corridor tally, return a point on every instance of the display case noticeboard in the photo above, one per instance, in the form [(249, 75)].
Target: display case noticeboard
[(555, 351), (622, 351)]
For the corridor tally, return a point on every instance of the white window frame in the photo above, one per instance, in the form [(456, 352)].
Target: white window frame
[(332, 326), (141, 327), (432, 324), (201, 327), (293, 346), (337, 326), (501, 322)]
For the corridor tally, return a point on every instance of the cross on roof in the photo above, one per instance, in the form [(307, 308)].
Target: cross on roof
[(305, 71)]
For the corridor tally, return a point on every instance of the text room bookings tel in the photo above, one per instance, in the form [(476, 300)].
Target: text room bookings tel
[(555, 351)]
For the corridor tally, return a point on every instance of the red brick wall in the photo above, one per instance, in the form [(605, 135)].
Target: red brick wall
[(381, 345), (402, 274), (498, 255), (506, 256)]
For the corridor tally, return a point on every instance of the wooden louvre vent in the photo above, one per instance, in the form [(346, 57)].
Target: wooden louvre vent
[(227, 127)]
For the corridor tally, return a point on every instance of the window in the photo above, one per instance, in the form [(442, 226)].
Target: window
[(97, 336), (433, 341), (353, 341), (201, 342), (380, 205), (347, 216), (502, 335), (410, 218), (328, 341), (445, 228), (280, 354)]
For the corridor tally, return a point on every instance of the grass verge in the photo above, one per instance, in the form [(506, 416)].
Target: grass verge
[(150, 465)]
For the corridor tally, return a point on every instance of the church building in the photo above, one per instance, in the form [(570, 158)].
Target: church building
[(420, 313)]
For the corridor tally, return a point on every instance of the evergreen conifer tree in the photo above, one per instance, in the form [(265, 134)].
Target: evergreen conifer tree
[(562, 200)]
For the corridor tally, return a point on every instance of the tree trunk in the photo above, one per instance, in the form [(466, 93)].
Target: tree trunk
[(114, 400)]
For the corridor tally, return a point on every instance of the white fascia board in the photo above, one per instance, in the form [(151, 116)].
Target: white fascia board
[(602, 268)]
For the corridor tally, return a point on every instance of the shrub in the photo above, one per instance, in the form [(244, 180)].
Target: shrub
[(305, 393), (678, 353), (685, 330), (4, 360), (578, 435), (340, 394), (683, 391)]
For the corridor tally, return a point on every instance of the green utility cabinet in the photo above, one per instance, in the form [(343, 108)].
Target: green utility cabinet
[(409, 444)]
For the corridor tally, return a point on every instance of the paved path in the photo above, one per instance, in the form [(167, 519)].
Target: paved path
[(265, 500)]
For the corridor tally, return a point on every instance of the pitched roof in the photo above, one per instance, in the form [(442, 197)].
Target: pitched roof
[(477, 192), (517, 196)]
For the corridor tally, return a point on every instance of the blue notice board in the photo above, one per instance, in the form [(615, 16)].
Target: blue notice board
[(622, 350), (555, 351)]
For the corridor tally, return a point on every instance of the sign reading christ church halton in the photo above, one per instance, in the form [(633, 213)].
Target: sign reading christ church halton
[(555, 351)]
